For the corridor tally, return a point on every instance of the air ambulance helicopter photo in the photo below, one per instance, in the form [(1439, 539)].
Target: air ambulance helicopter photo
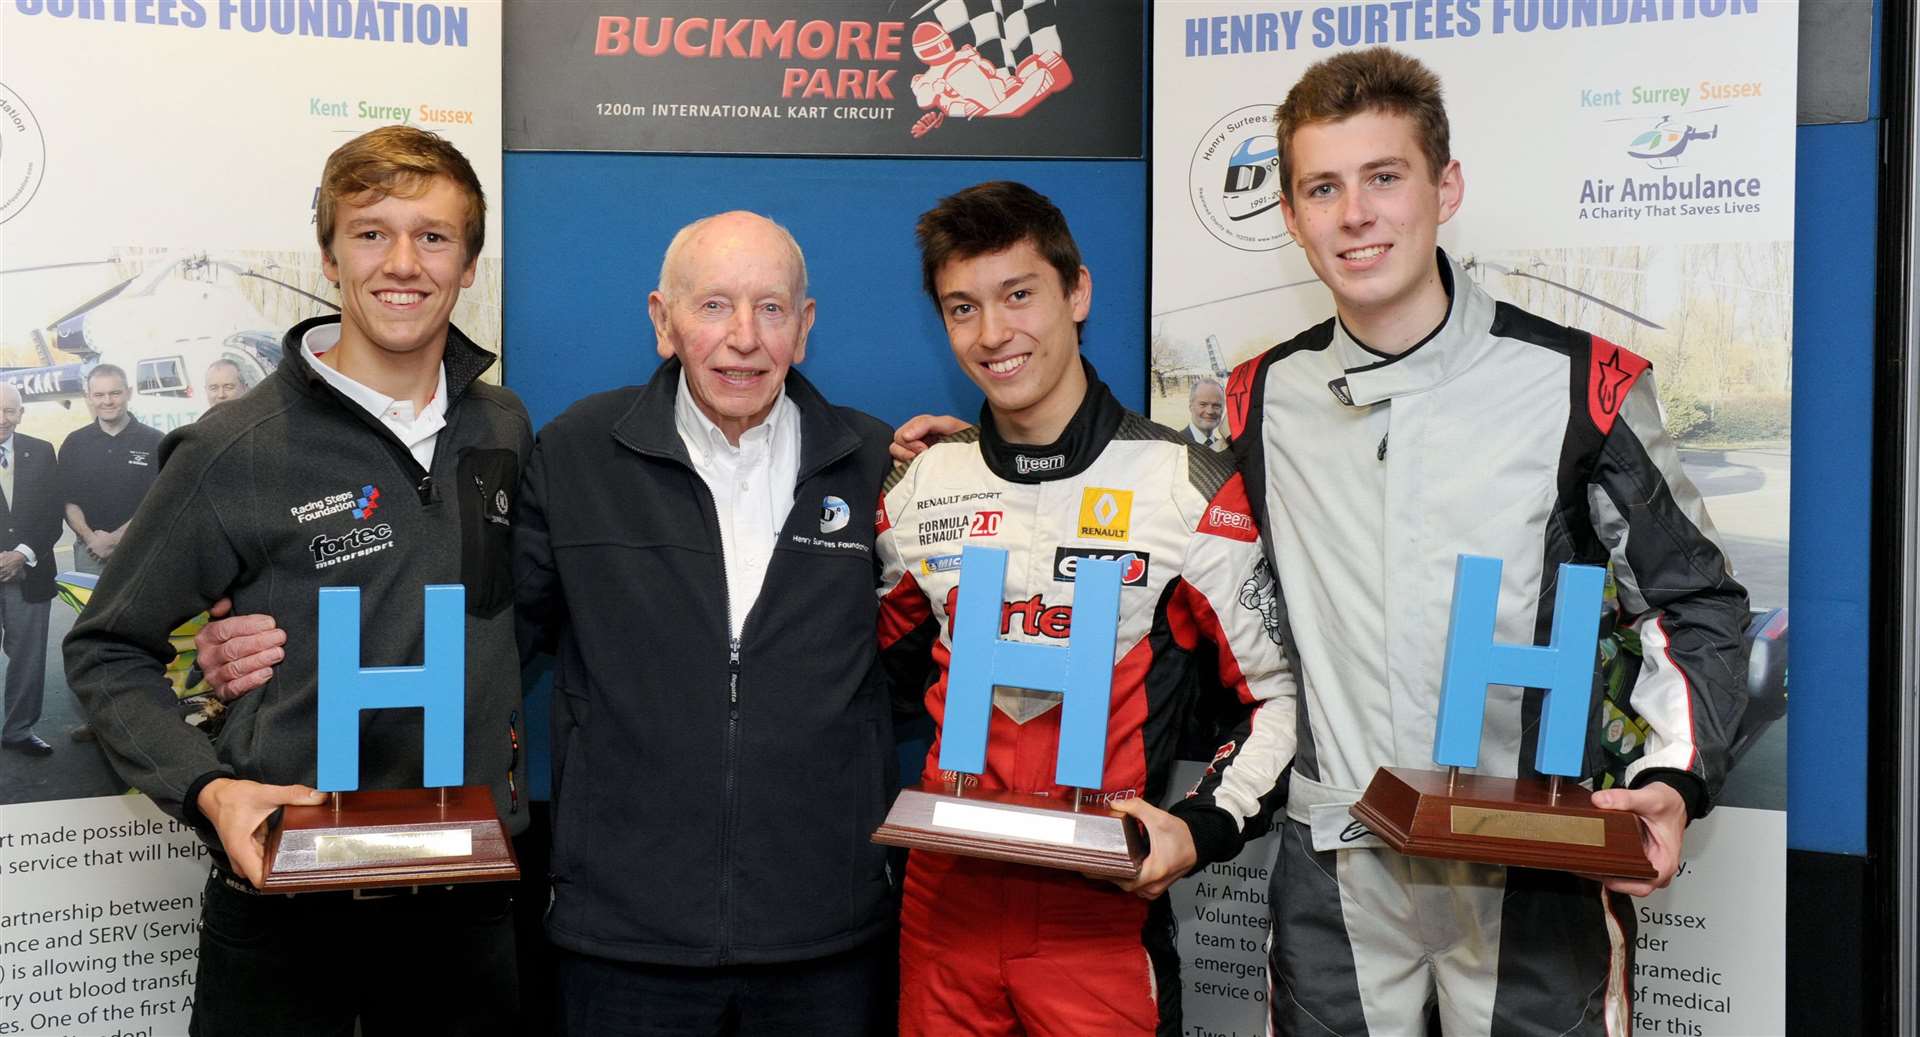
[(165, 326)]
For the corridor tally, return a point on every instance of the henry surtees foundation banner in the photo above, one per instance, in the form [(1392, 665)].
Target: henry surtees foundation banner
[(1029, 78), (159, 161), (1629, 170)]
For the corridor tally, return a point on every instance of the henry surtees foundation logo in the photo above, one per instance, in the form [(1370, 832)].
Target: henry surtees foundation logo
[(833, 514), (1234, 180), (23, 154)]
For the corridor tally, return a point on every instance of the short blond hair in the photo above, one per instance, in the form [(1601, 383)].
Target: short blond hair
[(398, 161)]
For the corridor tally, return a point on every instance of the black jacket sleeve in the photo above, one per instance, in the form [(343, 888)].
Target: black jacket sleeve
[(1678, 590), (172, 564)]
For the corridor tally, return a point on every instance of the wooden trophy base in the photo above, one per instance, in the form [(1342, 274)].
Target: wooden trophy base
[(1024, 829), (1469, 817), (390, 837)]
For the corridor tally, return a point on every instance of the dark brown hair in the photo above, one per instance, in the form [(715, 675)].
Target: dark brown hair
[(993, 217)]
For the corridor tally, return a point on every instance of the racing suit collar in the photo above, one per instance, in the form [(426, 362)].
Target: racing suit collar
[(1370, 379), (1087, 433)]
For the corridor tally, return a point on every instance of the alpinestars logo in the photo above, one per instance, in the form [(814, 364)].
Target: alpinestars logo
[(368, 503)]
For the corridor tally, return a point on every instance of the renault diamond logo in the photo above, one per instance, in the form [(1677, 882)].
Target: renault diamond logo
[(1105, 514)]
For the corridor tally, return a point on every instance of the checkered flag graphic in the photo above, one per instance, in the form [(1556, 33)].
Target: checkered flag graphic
[(1005, 32)]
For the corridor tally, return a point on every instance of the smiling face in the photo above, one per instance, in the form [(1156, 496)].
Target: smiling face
[(1205, 406), (106, 397), (12, 409), (1367, 211), (1011, 324), (732, 307), (400, 265)]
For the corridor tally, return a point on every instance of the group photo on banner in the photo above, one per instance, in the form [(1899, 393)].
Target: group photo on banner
[(1193, 518)]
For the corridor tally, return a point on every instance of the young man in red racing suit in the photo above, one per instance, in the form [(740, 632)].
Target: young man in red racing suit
[(1059, 471)]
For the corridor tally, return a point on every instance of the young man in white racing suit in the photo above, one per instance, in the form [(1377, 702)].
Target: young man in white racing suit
[(1058, 472), (1423, 422)]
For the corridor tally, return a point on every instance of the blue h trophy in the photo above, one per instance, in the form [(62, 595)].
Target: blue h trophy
[(1525, 822), (1023, 828), (442, 834)]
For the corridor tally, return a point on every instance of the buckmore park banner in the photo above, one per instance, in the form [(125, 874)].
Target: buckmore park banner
[(1629, 170), (159, 163), (1029, 78)]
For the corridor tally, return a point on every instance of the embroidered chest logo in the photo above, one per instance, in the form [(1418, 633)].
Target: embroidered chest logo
[(1031, 465), (367, 503), (833, 514), (355, 543), (1105, 514), (362, 504)]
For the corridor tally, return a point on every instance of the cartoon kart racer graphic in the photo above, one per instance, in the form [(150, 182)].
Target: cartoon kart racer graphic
[(963, 84)]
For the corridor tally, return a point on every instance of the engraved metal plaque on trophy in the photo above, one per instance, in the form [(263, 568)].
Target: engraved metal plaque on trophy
[(439, 835), (1524, 822), (1029, 829)]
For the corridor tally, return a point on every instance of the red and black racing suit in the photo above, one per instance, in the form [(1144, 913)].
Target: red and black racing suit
[(989, 947)]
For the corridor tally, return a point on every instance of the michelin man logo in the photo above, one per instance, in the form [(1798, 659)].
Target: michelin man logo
[(833, 515), (1261, 594), (1006, 59)]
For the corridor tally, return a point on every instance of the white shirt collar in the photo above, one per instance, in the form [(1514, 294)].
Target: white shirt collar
[(324, 337), (699, 432)]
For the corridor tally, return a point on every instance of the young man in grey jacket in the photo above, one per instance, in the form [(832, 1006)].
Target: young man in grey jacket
[(374, 457)]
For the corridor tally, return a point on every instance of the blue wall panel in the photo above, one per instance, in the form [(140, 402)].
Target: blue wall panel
[(585, 232), (1835, 233)]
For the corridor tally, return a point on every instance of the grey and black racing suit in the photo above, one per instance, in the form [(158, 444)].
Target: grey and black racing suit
[(1506, 435)]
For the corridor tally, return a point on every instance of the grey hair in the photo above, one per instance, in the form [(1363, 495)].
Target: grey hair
[(1194, 389), (6, 386), (670, 263), (224, 362)]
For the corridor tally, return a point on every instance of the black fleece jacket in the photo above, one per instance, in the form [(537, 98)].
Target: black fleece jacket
[(262, 500), (713, 801)]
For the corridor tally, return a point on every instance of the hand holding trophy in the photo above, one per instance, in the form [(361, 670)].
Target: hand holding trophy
[(439, 835), (1513, 821), (1009, 826)]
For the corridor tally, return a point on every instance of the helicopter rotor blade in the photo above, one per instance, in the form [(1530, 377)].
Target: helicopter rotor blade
[(56, 266), (93, 302), (1590, 297), (297, 291)]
